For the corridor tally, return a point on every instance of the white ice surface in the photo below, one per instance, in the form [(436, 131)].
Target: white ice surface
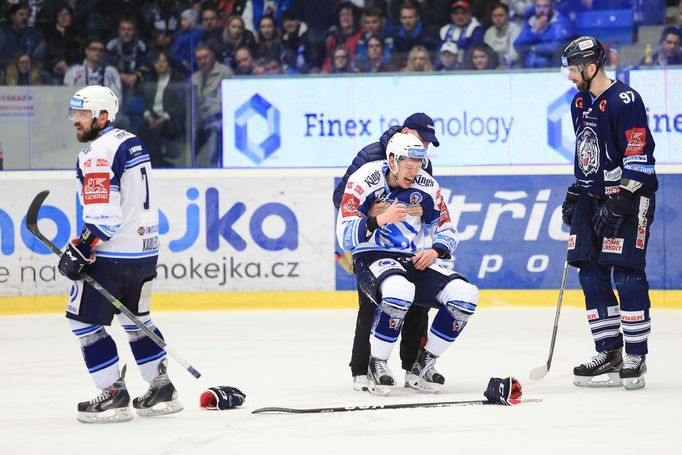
[(299, 359)]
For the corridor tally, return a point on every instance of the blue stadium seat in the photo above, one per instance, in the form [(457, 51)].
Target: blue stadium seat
[(607, 25)]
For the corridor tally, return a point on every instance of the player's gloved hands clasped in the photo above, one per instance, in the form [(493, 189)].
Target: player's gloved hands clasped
[(611, 215), (73, 260), (505, 391), (567, 208)]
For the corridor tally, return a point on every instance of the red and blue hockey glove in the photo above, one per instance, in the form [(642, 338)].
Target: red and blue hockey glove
[(611, 215), (222, 397), (567, 208), (505, 391)]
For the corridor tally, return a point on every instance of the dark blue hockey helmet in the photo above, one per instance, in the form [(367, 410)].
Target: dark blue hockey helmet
[(582, 51)]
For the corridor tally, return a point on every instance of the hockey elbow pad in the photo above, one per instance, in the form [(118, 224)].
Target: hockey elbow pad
[(505, 391), (222, 397)]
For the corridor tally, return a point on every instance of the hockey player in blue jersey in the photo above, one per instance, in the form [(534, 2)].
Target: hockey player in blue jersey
[(391, 268), (120, 217), (610, 209)]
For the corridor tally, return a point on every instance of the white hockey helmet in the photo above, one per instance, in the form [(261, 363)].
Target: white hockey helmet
[(403, 145), (95, 98)]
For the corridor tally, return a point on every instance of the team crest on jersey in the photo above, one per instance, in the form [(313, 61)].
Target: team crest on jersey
[(394, 323), (415, 198), (579, 102), (602, 105), (588, 151), (96, 188)]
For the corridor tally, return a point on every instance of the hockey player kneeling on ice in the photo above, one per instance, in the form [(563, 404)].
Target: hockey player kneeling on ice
[(222, 397), (392, 270), (120, 218), (610, 209)]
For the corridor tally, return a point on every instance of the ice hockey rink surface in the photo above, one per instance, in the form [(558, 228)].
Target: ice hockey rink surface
[(299, 358)]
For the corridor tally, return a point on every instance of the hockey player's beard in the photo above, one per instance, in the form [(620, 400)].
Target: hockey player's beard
[(88, 136), (581, 86)]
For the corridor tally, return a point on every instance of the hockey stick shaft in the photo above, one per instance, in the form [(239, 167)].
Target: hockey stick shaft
[(541, 371), (32, 226), (374, 407)]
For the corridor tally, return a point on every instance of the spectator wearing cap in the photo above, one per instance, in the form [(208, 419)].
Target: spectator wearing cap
[(182, 50), (464, 30), (17, 36), (501, 35), (300, 52), (346, 33), (543, 36), (447, 60), (668, 48), (412, 32)]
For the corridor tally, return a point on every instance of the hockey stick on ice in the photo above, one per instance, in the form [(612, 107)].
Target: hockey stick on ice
[(32, 225), (540, 372), (374, 407)]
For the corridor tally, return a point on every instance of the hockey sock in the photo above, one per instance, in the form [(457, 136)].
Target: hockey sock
[(388, 319), (101, 356), (148, 355), (633, 290), (603, 315)]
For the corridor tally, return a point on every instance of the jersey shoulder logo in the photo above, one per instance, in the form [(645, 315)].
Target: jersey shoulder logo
[(96, 188), (588, 151), (636, 141)]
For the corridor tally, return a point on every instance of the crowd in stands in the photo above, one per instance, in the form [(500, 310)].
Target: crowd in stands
[(149, 51)]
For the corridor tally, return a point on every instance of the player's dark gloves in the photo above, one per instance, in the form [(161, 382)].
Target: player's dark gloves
[(73, 260), (611, 215), (222, 397), (505, 391), (572, 195)]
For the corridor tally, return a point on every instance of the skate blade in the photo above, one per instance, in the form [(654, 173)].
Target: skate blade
[(423, 385), (160, 409), (116, 415), (611, 380), (634, 383), (378, 389)]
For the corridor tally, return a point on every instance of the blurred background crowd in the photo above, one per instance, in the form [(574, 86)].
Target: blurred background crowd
[(166, 58)]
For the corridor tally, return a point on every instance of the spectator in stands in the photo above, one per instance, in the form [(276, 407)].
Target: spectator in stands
[(412, 32), (432, 12), (418, 60), (254, 10), (668, 48), (520, 10), (236, 36), (374, 26), (244, 64), (268, 39), (447, 60), (464, 31), (207, 82), (543, 36), (341, 62), (22, 72), (182, 49), (346, 33), (375, 61), (501, 35), (163, 127), (16, 36), (481, 57), (93, 71), (212, 35), (65, 44), (162, 17), (300, 52)]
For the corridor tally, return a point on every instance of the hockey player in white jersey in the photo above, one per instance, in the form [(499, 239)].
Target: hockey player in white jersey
[(392, 270), (120, 230)]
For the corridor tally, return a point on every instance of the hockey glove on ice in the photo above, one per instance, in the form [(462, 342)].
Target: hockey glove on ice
[(222, 397), (75, 257), (505, 391), (611, 215), (572, 194)]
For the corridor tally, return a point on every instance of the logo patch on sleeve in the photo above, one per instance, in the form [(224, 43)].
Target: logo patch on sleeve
[(636, 141), (96, 188), (349, 206)]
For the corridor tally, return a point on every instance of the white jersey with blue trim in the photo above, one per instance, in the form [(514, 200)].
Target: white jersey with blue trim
[(368, 185), (118, 197)]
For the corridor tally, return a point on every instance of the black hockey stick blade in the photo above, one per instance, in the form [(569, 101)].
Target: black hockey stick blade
[(32, 226), (375, 407)]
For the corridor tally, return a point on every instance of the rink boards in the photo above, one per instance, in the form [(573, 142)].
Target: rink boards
[(265, 238)]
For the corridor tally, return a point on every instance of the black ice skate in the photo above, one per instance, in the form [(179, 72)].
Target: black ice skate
[(607, 363), (379, 376), (161, 398), (111, 406), (423, 376), (632, 373)]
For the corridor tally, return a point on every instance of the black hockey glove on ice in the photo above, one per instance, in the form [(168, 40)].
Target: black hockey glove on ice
[(572, 194), (222, 397), (611, 215), (73, 260), (505, 391)]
